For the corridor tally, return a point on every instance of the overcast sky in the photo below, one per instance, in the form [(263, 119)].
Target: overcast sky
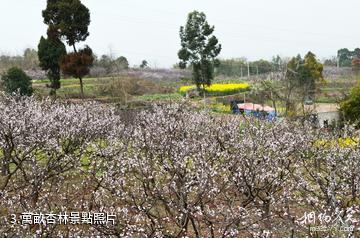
[(143, 29)]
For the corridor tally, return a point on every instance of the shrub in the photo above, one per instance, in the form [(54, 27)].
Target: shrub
[(16, 80), (350, 107), (129, 86), (220, 108)]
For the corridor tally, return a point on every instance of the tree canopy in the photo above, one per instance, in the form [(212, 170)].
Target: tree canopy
[(345, 56), (144, 64), (70, 17), (122, 62), (77, 64), (302, 77), (303, 74)]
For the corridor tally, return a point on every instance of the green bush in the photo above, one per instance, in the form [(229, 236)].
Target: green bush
[(15, 80), (350, 107)]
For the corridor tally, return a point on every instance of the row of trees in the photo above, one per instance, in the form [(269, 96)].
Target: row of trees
[(345, 56), (28, 61), (242, 67), (111, 64)]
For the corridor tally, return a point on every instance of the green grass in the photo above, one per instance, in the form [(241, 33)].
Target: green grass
[(160, 97), (227, 81), (220, 108), (70, 88), (324, 99), (64, 82), (336, 89)]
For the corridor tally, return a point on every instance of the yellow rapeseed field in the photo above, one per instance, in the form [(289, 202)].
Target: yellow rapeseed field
[(220, 88), (342, 142)]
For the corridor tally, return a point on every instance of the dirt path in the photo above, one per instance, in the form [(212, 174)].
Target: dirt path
[(323, 107)]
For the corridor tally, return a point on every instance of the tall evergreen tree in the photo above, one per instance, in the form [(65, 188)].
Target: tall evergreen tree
[(71, 17), (199, 48), (313, 74), (50, 50), (72, 20), (344, 57)]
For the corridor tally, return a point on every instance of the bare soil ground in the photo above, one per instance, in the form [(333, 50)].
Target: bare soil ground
[(323, 107)]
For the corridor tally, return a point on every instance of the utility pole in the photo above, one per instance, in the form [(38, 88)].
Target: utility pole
[(241, 71), (248, 66)]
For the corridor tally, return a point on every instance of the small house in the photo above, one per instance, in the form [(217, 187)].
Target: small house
[(257, 110)]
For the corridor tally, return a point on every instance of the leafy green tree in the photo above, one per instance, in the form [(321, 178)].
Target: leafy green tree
[(122, 63), (277, 63), (356, 52), (106, 62), (344, 57), (331, 61), (304, 73), (15, 80), (232, 67), (50, 50), (260, 67), (144, 64), (291, 83), (199, 48), (110, 65), (350, 107), (302, 76), (313, 75), (71, 18)]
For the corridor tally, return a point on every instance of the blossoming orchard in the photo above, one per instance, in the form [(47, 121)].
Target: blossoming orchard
[(171, 171)]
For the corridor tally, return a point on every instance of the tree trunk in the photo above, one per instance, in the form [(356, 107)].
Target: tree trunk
[(81, 88), (74, 48), (4, 168), (5, 165)]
